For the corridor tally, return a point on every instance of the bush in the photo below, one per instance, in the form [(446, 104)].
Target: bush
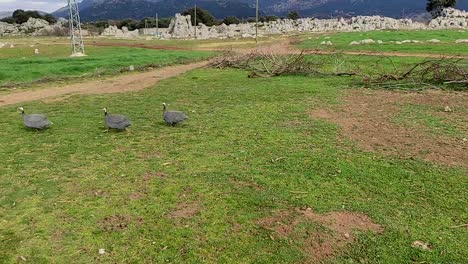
[(294, 15), (231, 20), (203, 16)]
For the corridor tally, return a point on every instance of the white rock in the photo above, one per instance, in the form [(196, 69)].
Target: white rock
[(36, 51), (102, 251), (462, 41), (367, 41), (434, 41), (131, 68)]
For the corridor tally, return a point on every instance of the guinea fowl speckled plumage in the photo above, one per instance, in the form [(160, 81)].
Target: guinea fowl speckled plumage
[(119, 122), (173, 117), (35, 121)]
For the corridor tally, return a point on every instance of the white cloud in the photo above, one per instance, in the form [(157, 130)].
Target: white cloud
[(42, 5)]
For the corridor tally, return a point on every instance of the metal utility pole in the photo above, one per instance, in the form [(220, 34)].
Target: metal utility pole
[(256, 23), (75, 29), (195, 19), (157, 24)]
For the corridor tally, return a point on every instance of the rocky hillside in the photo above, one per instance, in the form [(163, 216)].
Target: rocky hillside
[(119, 9)]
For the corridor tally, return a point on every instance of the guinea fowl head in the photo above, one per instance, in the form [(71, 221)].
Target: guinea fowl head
[(21, 109), (164, 107), (105, 110)]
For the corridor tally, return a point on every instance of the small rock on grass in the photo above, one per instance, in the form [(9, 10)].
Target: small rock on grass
[(422, 245), (102, 251)]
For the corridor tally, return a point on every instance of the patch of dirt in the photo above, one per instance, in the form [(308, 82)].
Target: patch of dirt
[(118, 222), (119, 84), (151, 175), (184, 210), (136, 45), (319, 245), (247, 184), (367, 117), (136, 196)]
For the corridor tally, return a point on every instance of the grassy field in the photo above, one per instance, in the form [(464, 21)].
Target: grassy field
[(342, 40), (20, 65), (231, 185), (246, 151)]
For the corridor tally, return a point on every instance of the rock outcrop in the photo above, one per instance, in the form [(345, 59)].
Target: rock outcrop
[(450, 18), (181, 26)]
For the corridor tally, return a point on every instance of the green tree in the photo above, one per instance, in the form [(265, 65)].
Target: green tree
[(294, 15), (203, 16), (231, 20), (50, 18), (435, 7)]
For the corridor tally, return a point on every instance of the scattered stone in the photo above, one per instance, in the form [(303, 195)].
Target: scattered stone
[(462, 41), (422, 245), (380, 42), (367, 41), (102, 251), (327, 43), (131, 68), (12, 46), (434, 41), (448, 109), (36, 51)]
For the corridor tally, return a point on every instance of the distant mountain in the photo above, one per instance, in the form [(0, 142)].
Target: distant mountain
[(92, 10)]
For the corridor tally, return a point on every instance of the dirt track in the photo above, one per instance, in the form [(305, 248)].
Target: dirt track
[(120, 84), (139, 81)]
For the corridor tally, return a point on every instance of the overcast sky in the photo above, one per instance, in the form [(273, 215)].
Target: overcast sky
[(42, 5)]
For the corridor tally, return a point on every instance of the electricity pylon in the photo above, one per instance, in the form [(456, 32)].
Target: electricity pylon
[(75, 29)]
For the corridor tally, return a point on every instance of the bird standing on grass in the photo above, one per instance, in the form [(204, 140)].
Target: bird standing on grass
[(118, 122), (173, 117), (35, 121)]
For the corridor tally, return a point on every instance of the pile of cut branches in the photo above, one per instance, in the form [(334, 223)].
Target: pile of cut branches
[(269, 64), (429, 73)]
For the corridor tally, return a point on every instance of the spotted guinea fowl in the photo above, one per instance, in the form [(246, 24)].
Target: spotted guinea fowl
[(35, 121), (119, 122), (173, 117)]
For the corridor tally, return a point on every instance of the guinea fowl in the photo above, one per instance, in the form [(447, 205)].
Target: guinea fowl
[(119, 122), (35, 121), (173, 117)]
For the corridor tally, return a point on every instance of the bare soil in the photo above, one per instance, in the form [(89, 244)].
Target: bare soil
[(120, 84), (184, 210), (137, 45), (368, 117), (118, 222), (336, 230)]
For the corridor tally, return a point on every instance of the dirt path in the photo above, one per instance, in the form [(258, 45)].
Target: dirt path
[(137, 45), (120, 84)]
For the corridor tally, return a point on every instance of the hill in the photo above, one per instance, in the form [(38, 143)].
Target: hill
[(92, 10)]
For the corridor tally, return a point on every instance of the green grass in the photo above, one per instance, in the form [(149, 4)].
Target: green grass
[(420, 116), (342, 40), (20, 65), (237, 126)]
